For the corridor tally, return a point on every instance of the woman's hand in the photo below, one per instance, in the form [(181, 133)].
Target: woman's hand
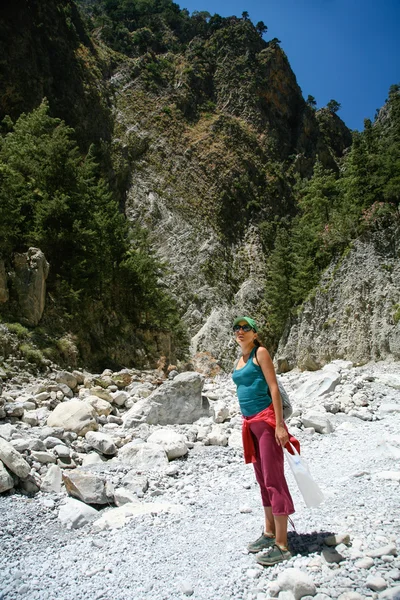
[(281, 435)]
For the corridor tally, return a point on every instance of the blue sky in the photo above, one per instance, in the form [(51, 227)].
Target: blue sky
[(348, 50)]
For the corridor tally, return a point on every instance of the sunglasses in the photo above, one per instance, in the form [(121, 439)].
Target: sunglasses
[(244, 328)]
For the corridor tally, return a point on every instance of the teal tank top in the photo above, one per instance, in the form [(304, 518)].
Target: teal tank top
[(252, 389)]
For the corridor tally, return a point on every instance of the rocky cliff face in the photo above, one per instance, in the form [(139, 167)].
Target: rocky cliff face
[(206, 143), (355, 312), (208, 186), (46, 52)]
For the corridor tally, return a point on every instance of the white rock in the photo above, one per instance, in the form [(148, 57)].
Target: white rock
[(318, 420), (364, 563), (91, 459), (173, 443), (176, 401), (390, 549), (118, 517), (62, 451), (388, 475), (143, 457), (318, 384), (390, 594), (376, 583), (101, 442), (235, 439), (100, 405), (6, 431), (119, 398), (51, 482), (387, 408), (74, 514), (217, 436), (297, 582), (43, 457), (219, 411), (389, 379), (30, 417), (75, 416), (13, 460), (123, 496)]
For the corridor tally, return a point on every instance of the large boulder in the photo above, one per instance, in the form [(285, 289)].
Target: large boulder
[(74, 415), (31, 271), (174, 402), (318, 384)]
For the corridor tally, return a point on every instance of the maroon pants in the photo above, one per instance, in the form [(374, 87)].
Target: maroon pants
[(269, 470)]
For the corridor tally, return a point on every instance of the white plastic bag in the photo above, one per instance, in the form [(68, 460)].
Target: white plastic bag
[(308, 487)]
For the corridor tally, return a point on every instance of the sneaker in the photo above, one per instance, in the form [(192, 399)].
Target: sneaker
[(263, 542), (273, 556)]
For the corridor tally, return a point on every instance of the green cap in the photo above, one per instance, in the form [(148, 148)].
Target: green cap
[(248, 320)]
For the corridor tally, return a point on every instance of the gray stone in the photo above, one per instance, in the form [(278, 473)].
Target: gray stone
[(338, 538), (31, 271), (174, 402), (101, 442), (332, 556), (43, 457), (13, 460), (51, 482), (67, 378), (88, 487)]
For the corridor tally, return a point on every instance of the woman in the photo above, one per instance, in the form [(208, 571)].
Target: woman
[(264, 436)]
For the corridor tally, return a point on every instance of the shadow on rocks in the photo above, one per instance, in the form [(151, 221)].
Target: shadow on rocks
[(308, 543)]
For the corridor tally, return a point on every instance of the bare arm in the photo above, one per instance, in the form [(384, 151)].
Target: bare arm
[(268, 370)]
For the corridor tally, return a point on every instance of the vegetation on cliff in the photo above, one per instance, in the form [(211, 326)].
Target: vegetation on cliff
[(54, 198), (334, 209)]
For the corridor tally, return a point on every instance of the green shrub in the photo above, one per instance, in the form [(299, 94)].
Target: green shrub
[(19, 330), (32, 355)]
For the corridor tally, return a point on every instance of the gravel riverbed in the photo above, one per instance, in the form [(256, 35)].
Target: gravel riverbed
[(199, 551)]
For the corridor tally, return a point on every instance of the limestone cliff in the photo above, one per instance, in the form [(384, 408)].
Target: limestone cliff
[(355, 311)]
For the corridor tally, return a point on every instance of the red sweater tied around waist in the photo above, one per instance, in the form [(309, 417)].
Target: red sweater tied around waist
[(267, 415)]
